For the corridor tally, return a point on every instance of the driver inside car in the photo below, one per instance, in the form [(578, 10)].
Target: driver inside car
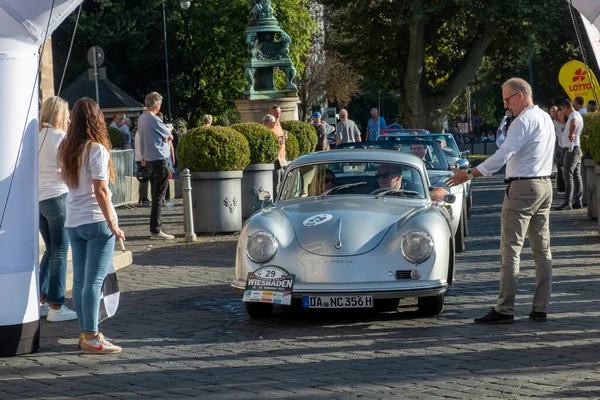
[(389, 176)]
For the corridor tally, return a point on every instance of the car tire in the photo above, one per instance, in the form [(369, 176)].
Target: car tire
[(469, 204), (259, 310), (432, 305), (386, 305), (459, 237)]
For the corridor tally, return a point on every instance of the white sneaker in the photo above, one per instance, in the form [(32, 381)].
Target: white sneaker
[(99, 345), (161, 236), (62, 314), (44, 307)]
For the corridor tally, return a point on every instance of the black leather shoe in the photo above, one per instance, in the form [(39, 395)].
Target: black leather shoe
[(577, 206), (564, 207), (537, 316), (494, 317)]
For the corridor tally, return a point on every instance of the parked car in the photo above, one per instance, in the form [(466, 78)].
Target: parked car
[(335, 238), (455, 156)]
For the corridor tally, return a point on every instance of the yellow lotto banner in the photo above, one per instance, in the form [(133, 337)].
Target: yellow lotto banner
[(573, 77)]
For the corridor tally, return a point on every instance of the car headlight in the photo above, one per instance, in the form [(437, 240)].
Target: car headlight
[(261, 247), (416, 246)]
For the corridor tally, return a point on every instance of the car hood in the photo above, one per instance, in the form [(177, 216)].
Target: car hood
[(363, 224)]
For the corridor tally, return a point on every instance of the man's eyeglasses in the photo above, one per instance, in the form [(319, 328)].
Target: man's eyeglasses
[(329, 180), (508, 98)]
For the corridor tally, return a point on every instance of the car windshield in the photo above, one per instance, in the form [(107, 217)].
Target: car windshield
[(354, 178), (446, 141)]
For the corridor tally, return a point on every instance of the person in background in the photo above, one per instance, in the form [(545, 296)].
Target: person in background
[(592, 106), (578, 105), (558, 120), (270, 122), (347, 131), (375, 125), (170, 160), (116, 121), (207, 120), (52, 195), (320, 128), (569, 141), (92, 224), (126, 133), (155, 151)]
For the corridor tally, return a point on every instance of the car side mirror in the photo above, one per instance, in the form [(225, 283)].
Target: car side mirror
[(465, 154), (449, 198), (264, 195), (462, 164)]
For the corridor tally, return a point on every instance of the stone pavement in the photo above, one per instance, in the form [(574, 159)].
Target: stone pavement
[(186, 335)]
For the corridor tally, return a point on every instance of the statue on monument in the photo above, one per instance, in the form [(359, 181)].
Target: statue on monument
[(262, 9)]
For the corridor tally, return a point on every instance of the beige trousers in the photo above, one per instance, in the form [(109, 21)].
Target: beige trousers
[(526, 210)]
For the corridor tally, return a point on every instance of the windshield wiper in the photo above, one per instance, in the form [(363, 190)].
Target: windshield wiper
[(401, 191), (340, 187)]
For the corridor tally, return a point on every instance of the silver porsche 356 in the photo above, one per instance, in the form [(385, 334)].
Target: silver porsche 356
[(351, 228)]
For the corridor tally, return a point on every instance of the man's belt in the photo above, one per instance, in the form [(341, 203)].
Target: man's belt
[(525, 178)]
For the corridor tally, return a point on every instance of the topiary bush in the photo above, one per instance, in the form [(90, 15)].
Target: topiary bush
[(590, 136), (264, 146), (116, 140), (292, 148), (213, 149), (305, 134)]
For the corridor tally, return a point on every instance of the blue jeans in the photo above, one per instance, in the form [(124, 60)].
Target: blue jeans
[(53, 267), (92, 246)]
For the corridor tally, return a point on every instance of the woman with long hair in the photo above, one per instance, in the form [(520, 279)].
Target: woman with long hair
[(52, 194), (92, 225)]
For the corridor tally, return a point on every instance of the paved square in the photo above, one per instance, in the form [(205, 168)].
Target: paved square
[(185, 334)]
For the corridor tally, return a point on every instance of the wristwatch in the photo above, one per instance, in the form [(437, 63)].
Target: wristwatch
[(470, 174)]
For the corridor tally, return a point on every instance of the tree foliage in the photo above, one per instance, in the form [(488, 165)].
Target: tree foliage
[(206, 49), (429, 51)]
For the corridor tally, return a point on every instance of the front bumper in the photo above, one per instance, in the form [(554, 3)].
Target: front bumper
[(387, 290)]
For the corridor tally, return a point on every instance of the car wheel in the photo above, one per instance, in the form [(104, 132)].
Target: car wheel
[(259, 310), (386, 305), (469, 204), (466, 221), (459, 237), (432, 305)]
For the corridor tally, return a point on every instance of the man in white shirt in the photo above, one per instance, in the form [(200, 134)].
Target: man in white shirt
[(569, 141), (578, 105), (527, 152)]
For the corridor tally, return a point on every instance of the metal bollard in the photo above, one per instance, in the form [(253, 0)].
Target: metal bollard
[(188, 217)]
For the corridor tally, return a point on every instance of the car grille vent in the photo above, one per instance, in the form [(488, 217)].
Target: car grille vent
[(403, 275)]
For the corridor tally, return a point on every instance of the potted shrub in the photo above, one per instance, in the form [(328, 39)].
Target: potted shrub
[(258, 175), (591, 124), (116, 140), (216, 157), (304, 133), (591, 131), (292, 148)]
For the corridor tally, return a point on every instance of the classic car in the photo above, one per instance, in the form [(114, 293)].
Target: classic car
[(350, 228), (455, 157), (438, 170)]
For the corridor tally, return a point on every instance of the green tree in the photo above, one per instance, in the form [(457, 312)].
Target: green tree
[(206, 47), (429, 51)]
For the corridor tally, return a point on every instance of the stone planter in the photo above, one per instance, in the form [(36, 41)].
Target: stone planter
[(217, 201), (256, 177), (590, 188), (584, 185)]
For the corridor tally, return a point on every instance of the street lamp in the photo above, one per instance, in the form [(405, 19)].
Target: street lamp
[(185, 5)]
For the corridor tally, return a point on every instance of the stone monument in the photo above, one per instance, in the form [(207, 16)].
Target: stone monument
[(268, 48)]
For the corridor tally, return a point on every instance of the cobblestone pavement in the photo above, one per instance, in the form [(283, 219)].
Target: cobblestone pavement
[(186, 335)]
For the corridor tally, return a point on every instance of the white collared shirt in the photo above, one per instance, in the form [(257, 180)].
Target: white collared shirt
[(564, 140), (528, 148)]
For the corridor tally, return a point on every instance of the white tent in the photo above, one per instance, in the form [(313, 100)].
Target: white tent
[(590, 9), (24, 24)]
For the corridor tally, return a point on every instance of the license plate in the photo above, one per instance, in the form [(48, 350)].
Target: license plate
[(337, 301)]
